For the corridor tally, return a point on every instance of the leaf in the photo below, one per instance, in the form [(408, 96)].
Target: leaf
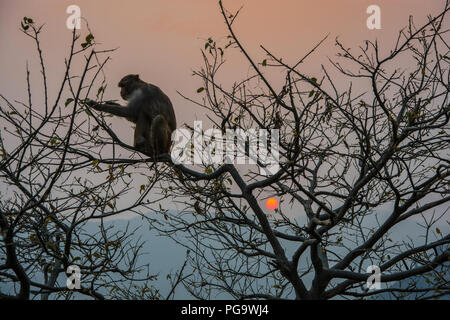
[(47, 220), (95, 162), (314, 80), (311, 93), (264, 63), (438, 230), (89, 38), (197, 208), (53, 141), (200, 89), (68, 101), (33, 238)]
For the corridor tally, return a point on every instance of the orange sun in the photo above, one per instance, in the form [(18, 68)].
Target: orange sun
[(272, 203)]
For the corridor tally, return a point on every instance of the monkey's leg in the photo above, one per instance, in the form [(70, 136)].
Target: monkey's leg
[(159, 135), (141, 133)]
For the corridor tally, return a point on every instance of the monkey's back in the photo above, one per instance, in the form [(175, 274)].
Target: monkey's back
[(157, 102)]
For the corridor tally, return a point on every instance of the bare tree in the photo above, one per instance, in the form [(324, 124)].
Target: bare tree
[(50, 149), (354, 168)]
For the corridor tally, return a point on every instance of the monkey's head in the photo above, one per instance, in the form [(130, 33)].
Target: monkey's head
[(128, 84)]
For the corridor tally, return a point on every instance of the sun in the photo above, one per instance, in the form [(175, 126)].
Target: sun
[(271, 203)]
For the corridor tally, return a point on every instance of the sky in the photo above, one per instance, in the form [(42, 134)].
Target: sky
[(161, 40)]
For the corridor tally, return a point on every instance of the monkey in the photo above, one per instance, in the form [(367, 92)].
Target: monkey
[(149, 108)]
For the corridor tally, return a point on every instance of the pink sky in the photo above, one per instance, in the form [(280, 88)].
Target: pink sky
[(161, 40)]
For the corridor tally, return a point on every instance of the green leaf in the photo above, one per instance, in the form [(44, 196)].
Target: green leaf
[(264, 63), (68, 101), (89, 38), (314, 80), (311, 93), (53, 141), (200, 89)]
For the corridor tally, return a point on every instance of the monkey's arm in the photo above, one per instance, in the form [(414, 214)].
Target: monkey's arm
[(111, 107)]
